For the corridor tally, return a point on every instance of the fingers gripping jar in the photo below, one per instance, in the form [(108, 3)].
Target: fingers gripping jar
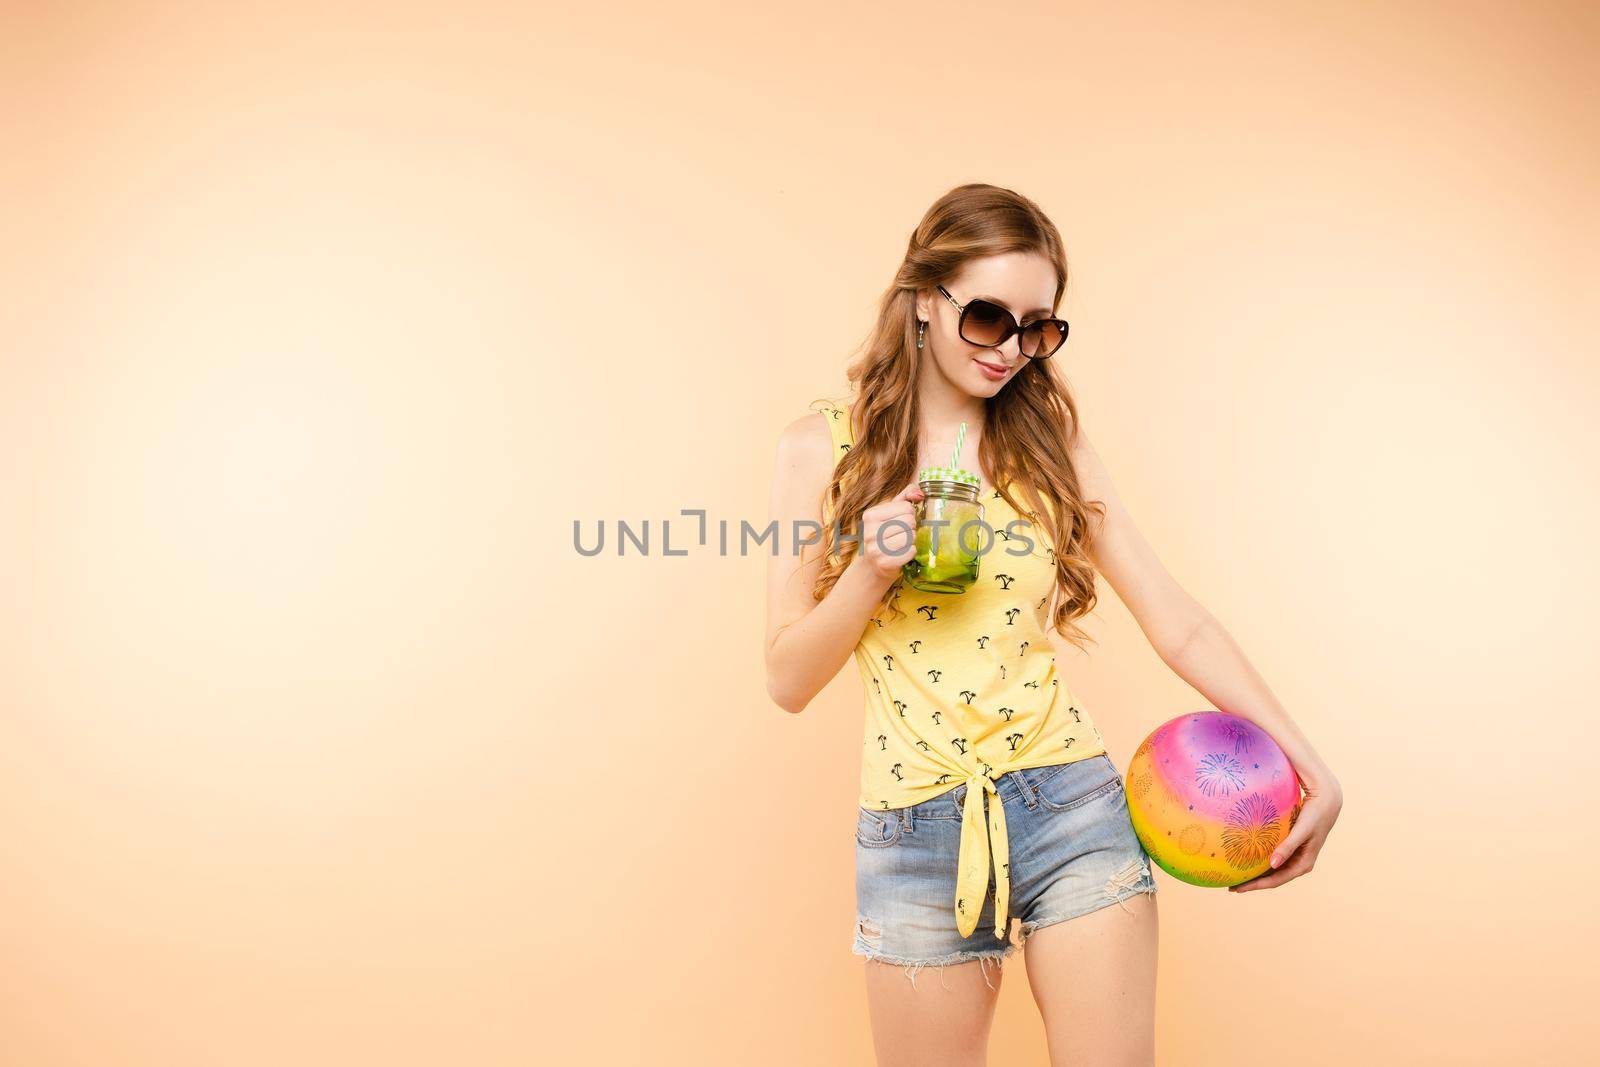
[(950, 532)]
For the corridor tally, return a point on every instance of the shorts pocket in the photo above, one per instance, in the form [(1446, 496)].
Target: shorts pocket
[(1079, 783), (876, 829)]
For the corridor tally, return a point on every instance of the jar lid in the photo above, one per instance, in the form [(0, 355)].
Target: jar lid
[(947, 474)]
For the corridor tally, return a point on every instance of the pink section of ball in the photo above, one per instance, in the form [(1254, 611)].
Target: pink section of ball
[(1212, 761)]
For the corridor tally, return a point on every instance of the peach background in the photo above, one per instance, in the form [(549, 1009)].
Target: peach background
[(320, 744)]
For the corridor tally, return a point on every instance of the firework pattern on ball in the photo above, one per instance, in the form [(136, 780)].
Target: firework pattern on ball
[(1210, 796)]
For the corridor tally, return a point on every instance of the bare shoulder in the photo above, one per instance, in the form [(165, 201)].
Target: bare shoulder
[(805, 448), (1094, 486), (1090, 469)]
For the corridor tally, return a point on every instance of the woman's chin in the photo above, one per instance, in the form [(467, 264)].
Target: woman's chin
[(983, 385)]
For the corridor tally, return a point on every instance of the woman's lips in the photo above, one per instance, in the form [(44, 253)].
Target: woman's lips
[(991, 371)]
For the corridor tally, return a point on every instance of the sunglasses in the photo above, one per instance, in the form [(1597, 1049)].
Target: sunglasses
[(986, 323)]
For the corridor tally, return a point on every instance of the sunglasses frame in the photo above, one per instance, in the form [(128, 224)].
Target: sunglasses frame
[(1014, 328)]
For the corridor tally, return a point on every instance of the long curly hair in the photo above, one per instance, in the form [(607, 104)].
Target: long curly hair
[(1030, 426)]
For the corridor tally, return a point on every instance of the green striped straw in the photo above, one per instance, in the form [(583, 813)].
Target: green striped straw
[(961, 435)]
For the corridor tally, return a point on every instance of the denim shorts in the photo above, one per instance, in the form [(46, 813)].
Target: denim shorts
[(1072, 851)]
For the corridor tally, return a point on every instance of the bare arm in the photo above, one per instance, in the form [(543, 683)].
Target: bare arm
[(1186, 636), (1165, 611), (807, 641)]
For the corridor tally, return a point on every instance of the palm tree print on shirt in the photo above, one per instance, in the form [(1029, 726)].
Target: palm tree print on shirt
[(914, 750)]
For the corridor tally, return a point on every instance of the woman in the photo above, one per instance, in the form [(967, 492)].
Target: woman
[(986, 790)]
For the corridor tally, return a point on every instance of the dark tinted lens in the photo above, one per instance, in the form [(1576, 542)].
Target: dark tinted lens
[(984, 323), (1041, 338)]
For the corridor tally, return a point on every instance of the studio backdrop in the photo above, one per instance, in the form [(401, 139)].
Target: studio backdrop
[(334, 333)]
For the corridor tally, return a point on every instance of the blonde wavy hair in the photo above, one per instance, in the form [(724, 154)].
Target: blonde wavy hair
[(1030, 426)]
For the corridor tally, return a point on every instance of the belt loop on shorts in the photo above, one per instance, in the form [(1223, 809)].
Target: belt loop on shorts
[(906, 822), (1025, 786)]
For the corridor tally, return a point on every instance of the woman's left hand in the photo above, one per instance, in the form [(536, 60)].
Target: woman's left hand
[(1296, 854)]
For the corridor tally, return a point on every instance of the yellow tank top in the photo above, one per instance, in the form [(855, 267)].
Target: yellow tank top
[(962, 688)]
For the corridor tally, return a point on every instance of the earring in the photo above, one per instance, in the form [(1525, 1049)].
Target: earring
[(922, 331)]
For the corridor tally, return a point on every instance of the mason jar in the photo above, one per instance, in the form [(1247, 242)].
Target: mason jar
[(950, 532)]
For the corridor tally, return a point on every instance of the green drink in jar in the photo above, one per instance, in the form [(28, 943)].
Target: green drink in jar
[(949, 534)]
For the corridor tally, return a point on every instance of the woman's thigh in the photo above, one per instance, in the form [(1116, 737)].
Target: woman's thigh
[(1089, 920), (1094, 979), (944, 1022), (931, 993)]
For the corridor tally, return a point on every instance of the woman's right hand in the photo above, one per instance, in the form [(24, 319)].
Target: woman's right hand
[(888, 533)]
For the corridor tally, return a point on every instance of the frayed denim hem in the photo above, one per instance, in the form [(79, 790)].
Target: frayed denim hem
[(867, 931)]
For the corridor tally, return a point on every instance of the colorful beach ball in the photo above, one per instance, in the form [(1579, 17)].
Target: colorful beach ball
[(1210, 796)]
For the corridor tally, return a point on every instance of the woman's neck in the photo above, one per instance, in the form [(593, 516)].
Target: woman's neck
[(943, 408)]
